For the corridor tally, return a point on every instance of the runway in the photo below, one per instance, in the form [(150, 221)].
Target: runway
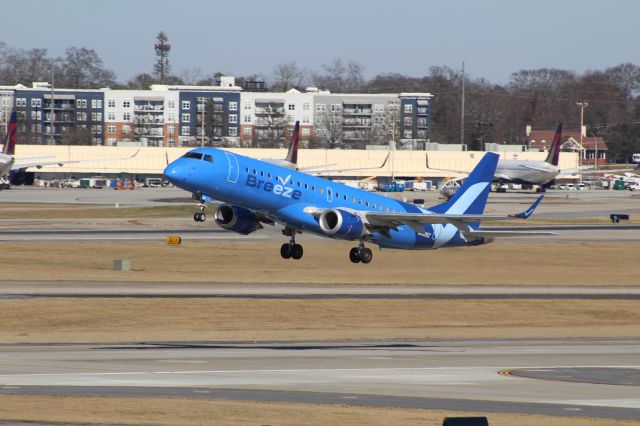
[(454, 375)]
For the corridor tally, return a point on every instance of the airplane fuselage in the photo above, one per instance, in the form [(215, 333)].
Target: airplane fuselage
[(525, 171), (6, 163), (284, 194)]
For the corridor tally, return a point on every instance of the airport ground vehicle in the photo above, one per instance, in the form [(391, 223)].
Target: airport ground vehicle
[(69, 183), (153, 182), (394, 187), (419, 185), (97, 182)]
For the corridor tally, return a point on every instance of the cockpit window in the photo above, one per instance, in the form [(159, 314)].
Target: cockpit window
[(208, 158), (194, 155)]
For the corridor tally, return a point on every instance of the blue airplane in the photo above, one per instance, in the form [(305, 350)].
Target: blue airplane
[(255, 192)]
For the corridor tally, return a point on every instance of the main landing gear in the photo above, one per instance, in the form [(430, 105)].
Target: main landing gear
[(360, 254), (291, 250)]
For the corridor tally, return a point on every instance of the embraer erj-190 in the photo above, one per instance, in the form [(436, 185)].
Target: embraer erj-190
[(256, 192)]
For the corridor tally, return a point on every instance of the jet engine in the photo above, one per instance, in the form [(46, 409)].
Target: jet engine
[(237, 219), (341, 224)]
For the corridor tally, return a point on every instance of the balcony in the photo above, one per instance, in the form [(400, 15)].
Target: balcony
[(357, 111), (350, 122), (269, 110), (423, 111)]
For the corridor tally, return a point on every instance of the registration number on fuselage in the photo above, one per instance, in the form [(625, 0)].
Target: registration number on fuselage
[(277, 189)]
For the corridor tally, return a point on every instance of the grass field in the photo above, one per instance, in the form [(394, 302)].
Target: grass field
[(326, 262), (189, 412)]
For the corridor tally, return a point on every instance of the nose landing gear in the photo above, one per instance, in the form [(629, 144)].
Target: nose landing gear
[(291, 250), (360, 254), (200, 215)]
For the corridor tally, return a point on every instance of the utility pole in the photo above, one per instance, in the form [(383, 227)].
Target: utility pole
[(202, 122), (582, 106), (462, 110), (53, 115)]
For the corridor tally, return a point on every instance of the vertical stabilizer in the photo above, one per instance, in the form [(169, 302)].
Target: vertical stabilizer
[(554, 151), (9, 140), (292, 155), (472, 196)]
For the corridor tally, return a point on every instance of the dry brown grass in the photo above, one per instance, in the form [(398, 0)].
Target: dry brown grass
[(187, 412), (256, 261), (135, 320)]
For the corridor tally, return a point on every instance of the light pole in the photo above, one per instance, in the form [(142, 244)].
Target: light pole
[(582, 106)]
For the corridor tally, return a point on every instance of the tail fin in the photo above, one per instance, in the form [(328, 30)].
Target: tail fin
[(292, 155), (554, 151), (9, 140), (471, 197)]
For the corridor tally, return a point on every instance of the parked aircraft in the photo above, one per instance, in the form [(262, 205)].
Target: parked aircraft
[(10, 164), (255, 192)]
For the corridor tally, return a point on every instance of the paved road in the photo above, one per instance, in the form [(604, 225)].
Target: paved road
[(452, 375), (113, 289)]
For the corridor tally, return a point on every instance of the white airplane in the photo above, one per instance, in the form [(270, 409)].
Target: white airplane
[(532, 172), (9, 162)]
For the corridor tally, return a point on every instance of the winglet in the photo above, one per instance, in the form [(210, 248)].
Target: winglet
[(292, 155), (525, 214)]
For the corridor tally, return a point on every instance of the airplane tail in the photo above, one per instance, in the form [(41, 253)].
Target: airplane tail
[(9, 140), (554, 151), (471, 197), (292, 155)]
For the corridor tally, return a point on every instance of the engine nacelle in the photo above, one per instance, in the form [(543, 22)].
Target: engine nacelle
[(237, 219), (341, 224)]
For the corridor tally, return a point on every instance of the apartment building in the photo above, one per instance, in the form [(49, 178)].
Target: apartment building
[(222, 115)]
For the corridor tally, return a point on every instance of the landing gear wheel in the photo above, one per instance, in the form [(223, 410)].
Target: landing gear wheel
[(203, 217), (366, 255), (296, 251), (354, 255), (285, 251), (199, 217)]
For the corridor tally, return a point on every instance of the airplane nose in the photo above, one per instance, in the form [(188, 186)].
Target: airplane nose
[(174, 174)]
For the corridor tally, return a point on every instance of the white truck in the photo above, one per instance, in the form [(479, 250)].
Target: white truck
[(419, 185)]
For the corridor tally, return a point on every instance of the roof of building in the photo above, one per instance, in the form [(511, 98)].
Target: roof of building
[(539, 139)]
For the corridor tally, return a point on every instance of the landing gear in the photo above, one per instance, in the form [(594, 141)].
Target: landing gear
[(291, 250), (360, 254), (199, 216)]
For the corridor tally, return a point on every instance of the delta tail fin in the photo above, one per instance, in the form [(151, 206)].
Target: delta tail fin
[(292, 154), (9, 140), (471, 197), (554, 152)]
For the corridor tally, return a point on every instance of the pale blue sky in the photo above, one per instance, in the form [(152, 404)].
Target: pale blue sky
[(493, 37)]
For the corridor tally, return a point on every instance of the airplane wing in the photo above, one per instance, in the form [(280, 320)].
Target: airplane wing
[(39, 162), (591, 170), (311, 169)]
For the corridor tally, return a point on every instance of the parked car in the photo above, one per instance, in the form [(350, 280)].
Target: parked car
[(582, 187)]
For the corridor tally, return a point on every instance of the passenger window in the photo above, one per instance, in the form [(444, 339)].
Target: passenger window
[(360, 202), (254, 172), (337, 195), (247, 170), (374, 206), (269, 175), (345, 198), (353, 200), (299, 184), (306, 186), (261, 173), (366, 204), (313, 188), (208, 158)]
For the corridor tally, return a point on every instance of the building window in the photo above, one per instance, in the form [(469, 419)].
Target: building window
[(408, 108), (171, 104), (305, 119), (93, 116), (185, 131), (247, 105), (233, 106), (111, 116), (99, 116), (305, 106), (126, 116), (126, 129), (33, 102), (408, 134), (233, 131), (171, 130), (111, 103), (111, 141), (247, 131), (126, 103), (171, 118), (111, 129), (233, 118), (186, 105), (186, 118), (291, 107), (94, 104), (408, 121), (306, 132), (99, 103), (335, 107), (378, 108), (321, 107)]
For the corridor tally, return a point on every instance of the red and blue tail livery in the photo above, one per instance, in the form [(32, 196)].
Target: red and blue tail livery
[(251, 193), (9, 140)]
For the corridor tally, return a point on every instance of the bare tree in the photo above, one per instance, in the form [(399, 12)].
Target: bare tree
[(287, 76), (329, 129), (191, 76), (82, 68), (341, 77)]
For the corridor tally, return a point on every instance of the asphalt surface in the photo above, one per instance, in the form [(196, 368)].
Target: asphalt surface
[(451, 375)]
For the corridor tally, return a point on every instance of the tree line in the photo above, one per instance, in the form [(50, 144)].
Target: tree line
[(493, 112)]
